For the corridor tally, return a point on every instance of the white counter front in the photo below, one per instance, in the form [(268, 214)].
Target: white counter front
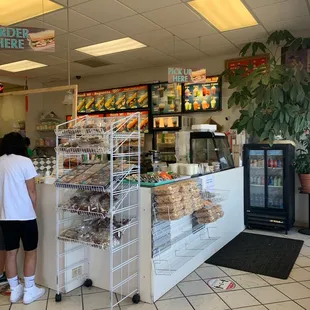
[(153, 283)]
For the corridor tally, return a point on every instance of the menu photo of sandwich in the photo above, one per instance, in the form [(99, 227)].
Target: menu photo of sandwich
[(43, 41), (89, 106), (81, 104)]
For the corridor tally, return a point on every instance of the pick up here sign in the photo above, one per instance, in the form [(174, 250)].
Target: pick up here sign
[(28, 39), (181, 75)]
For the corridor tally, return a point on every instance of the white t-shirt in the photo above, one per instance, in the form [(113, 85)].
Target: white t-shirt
[(15, 202)]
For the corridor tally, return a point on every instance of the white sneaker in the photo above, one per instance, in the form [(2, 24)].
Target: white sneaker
[(17, 293), (33, 293)]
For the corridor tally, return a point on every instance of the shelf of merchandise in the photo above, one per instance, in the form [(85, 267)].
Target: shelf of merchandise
[(120, 230), (262, 185), (175, 242), (272, 168)]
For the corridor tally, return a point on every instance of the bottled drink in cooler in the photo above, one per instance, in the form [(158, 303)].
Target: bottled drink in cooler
[(270, 181), (270, 163), (279, 163), (280, 183), (275, 181), (275, 163)]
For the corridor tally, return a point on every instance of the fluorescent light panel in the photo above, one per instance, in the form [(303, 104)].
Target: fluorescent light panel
[(22, 65), (111, 47), (224, 14), (15, 11)]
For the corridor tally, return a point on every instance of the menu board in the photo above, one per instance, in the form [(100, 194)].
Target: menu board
[(135, 97), (244, 62), (133, 124), (203, 97), (166, 98), (165, 122)]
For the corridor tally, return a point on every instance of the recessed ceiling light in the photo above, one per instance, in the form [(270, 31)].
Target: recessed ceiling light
[(111, 47), (224, 14), (21, 66), (15, 11)]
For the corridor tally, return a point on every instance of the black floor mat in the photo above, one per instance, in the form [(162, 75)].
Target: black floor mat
[(265, 255)]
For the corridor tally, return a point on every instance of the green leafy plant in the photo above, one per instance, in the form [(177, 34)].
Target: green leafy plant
[(302, 160), (274, 98)]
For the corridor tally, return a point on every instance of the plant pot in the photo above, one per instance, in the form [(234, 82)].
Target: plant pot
[(305, 182)]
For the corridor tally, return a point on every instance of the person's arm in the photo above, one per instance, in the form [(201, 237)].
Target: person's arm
[(31, 186)]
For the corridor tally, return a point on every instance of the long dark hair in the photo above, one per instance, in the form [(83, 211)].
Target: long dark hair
[(13, 143)]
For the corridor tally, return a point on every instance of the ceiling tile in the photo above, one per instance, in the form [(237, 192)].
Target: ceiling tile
[(76, 21), (118, 58), (46, 59), (172, 15), (75, 41), (99, 33), (144, 5), (293, 24), (148, 54), (4, 58), (71, 2), (104, 11), (133, 25), (153, 38), (208, 41), (174, 46), (192, 30), (282, 11), (222, 50), (256, 4), (40, 24), (189, 55), (245, 34), (61, 52)]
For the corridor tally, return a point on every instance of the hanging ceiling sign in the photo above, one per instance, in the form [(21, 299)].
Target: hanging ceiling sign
[(181, 75), (27, 39)]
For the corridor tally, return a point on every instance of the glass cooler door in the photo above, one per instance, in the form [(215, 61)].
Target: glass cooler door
[(165, 144), (275, 179), (257, 178)]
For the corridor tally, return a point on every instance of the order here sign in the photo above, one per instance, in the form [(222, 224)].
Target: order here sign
[(25, 38), (181, 75)]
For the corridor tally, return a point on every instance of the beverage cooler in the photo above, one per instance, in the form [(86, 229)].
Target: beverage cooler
[(269, 184)]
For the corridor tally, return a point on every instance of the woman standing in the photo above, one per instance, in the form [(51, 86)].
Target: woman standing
[(18, 215)]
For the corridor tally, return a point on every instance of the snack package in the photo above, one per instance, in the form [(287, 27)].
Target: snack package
[(166, 189), (171, 216), (164, 199), (175, 207)]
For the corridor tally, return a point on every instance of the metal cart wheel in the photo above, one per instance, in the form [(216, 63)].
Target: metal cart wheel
[(88, 283), (58, 297), (136, 298)]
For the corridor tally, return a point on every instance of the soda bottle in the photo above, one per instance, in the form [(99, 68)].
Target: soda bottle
[(275, 181), (269, 163), (275, 163), (270, 181), (280, 183), (279, 163)]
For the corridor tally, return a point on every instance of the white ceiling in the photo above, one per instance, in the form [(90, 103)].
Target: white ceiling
[(172, 31)]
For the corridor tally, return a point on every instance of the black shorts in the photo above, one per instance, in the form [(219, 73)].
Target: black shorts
[(14, 231)]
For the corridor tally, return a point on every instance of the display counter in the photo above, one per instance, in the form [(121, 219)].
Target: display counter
[(161, 266)]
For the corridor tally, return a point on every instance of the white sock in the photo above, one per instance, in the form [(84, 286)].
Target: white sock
[(29, 281), (13, 282)]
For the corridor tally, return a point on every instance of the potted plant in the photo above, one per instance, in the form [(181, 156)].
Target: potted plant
[(274, 98), (302, 163)]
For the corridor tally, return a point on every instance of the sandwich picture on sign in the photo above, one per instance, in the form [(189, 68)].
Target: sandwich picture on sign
[(42, 41), (199, 76)]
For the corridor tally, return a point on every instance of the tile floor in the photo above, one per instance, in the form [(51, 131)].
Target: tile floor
[(252, 291)]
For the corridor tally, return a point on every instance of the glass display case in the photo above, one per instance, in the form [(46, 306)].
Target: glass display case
[(209, 147), (165, 144)]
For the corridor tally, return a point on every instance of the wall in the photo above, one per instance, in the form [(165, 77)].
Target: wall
[(214, 65), (12, 110)]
